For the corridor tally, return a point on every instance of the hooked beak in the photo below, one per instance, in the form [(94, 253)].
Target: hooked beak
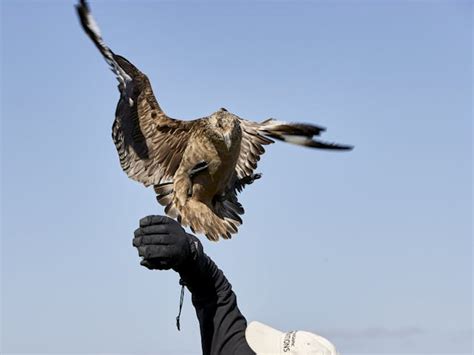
[(227, 139)]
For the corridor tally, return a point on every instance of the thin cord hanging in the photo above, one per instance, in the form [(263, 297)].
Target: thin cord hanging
[(181, 299)]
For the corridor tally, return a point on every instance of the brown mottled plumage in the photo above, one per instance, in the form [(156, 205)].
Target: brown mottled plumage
[(196, 167)]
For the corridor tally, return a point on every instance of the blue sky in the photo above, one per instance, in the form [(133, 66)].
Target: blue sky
[(372, 248)]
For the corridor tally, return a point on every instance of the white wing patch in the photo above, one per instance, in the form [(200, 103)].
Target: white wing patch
[(93, 25), (295, 139)]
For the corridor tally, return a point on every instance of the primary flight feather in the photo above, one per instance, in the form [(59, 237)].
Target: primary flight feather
[(197, 167)]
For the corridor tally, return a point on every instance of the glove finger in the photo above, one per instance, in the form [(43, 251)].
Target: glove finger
[(137, 241), (157, 263), (164, 264), (156, 229), (157, 239), (146, 264), (138, 232), (156, 251), (142, 250), (145, 221), (150, 220)]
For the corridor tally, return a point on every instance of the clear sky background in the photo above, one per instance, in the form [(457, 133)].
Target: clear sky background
[(371, 248)]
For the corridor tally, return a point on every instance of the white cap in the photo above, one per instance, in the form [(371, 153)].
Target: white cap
[(265, 340)]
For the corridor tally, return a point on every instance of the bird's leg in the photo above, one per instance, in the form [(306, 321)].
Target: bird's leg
[(222, 197), (239, 185), (199, 167), (182, 184), (247, 180)]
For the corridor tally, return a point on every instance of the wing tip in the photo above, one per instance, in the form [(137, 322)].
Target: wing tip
[(328, 145), (88, 22), (82, 8), (82, 4)]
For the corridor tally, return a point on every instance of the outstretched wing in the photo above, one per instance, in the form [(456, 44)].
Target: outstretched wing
[(149, 143), (256, 135), (251, 148)]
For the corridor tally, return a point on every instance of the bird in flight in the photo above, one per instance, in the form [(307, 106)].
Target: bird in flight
[(196, 167)]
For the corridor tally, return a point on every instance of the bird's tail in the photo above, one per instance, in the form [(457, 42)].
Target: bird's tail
[(220, 222), (298, 133), (202, 219)]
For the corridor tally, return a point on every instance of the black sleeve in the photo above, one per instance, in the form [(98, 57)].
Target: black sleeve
[(222, 325)]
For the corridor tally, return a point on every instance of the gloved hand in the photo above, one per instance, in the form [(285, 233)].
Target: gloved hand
[(163, 244)]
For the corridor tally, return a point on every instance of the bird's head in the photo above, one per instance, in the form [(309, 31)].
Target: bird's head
[(226, 125)]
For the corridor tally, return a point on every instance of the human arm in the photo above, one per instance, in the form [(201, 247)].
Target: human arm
[(164, 245)]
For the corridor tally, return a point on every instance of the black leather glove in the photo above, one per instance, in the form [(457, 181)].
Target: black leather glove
[(163, 244)]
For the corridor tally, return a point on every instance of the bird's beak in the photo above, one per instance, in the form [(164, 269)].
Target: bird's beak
[(227, 139)]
